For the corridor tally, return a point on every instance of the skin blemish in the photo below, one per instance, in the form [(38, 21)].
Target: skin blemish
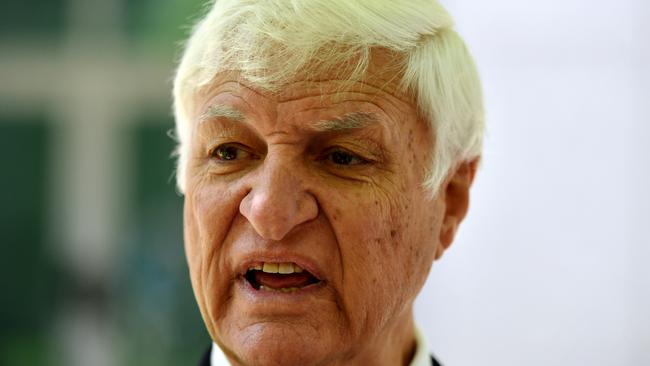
[(393, 233)]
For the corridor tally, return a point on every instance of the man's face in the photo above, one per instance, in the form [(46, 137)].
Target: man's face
[(325, 176)]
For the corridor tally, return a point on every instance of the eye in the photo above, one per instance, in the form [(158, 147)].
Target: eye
[(344, 157), (230, 152)]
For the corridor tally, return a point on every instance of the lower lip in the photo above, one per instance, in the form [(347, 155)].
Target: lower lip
[(303, 294)]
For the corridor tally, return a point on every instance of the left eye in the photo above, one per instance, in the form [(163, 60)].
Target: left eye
[(230, 152), (343, 157)]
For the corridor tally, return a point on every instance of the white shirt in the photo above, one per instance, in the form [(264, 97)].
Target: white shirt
[(421, 357)]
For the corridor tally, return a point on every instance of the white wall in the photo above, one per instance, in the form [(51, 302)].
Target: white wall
[(551, 265)]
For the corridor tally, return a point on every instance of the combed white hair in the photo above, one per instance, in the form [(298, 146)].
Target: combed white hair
[(270, 42)]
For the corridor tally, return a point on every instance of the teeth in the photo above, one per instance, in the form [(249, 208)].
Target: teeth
[(285, 268), (284, 289), (282, 268), (270, 268), (289, 289)]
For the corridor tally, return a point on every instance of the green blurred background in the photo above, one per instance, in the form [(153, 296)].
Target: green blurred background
[(93, 271)]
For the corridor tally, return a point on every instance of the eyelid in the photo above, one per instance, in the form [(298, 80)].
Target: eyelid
[(220, 132), (214, 147), (223, 140), (371, 154), (363, 160)]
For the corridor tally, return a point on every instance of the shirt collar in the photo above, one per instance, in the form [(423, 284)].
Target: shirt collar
[(420, 358)]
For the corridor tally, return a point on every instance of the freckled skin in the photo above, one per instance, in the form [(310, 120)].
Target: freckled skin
[(372, 228)]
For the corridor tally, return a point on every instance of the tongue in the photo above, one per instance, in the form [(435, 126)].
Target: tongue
[(278, 281)]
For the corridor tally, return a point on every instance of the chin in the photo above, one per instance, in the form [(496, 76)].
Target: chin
[(274, 345)]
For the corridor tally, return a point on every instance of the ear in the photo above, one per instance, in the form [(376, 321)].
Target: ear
[(455, 196)]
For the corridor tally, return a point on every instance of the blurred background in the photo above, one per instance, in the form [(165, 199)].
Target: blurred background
[(550, 267), (93, 271)]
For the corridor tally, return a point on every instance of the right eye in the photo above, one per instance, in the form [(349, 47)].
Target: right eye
[(230, 152)]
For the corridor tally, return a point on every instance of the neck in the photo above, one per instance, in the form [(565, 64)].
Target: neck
[(395, 346)]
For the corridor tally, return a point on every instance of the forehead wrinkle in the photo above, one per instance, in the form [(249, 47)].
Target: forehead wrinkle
[(337, 96), (313, 88), (348, 121), (230, 82)]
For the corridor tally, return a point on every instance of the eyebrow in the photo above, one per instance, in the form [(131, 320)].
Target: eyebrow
[(222, 111), (348, 121)]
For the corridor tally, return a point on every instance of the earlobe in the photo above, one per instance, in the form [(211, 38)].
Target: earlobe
[(455, 197), (447, 233)]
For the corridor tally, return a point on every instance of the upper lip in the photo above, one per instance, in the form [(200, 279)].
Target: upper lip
[(305, 262)]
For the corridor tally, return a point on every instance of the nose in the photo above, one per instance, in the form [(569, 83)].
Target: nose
[(278, 200)]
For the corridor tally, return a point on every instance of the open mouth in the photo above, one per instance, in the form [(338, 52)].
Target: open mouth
[(283, 277)]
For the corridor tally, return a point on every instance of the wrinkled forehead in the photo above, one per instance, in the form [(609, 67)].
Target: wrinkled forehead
[(382, 74)]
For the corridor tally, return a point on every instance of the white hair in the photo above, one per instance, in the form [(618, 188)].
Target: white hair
[(269, 42)]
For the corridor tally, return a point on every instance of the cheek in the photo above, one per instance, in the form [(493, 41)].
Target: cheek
[(407, 250), (205, 221), (418, 240), (388, 241), (209, 212), (379, 257), (415, 215)]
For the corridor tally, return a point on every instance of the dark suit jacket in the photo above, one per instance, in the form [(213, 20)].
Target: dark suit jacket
[(205, 360)]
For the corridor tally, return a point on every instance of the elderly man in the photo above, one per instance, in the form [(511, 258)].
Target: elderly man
[(326, 152)]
